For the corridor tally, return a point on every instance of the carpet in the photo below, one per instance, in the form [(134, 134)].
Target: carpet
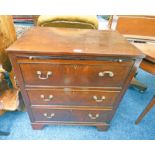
[(122, 126), (21, 29)]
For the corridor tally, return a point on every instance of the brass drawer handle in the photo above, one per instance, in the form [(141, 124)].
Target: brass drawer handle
[(99, 100), (93, 117), (30, 57), (110, 74), (49, 116), (46, 99), (42, 77)]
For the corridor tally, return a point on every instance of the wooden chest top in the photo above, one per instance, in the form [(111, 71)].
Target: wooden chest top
[(67, 41)]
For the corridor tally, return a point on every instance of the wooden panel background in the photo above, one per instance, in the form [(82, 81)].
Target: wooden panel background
[(144, 26)]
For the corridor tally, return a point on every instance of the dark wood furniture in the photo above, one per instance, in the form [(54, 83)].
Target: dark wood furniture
[(73, 76), (139, 30), (148, 64)]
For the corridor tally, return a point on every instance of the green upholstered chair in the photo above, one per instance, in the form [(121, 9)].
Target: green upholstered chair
[(82, 22)]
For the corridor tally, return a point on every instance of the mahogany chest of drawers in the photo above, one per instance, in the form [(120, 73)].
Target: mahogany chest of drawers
[(73, 76)]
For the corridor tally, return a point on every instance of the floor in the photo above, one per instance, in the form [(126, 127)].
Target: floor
[(122, 125)]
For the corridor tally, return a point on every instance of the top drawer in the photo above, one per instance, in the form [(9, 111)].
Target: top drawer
[(75, 73)]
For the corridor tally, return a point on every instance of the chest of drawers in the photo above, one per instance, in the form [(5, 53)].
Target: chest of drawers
[(73, 76)]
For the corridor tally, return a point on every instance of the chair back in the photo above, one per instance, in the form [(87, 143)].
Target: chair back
[(81, 22)]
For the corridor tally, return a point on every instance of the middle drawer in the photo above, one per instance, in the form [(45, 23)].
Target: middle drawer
[(72, 97)]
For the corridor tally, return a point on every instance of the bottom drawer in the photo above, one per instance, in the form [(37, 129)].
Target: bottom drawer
[(71, 115)]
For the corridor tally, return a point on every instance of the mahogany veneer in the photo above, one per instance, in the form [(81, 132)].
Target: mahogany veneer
[(73, 76)]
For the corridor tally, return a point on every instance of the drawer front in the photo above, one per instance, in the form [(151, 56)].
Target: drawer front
[(105, 74), (71, 97), (71, 115)]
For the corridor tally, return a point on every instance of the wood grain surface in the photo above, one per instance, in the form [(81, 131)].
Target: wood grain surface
[(69, 41)]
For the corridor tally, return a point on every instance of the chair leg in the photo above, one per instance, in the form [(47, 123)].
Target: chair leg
[(146, 110), (137, 84), (2, 133)]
